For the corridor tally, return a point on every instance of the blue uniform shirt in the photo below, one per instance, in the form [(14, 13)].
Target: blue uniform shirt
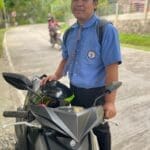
[(87, 58)]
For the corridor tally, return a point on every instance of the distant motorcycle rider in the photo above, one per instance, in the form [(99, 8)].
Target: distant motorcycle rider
[(52, 26)]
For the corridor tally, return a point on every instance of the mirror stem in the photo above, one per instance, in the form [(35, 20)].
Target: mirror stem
[(34, 92)]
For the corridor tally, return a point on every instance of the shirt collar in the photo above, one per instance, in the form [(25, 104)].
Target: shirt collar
[(88, 23)]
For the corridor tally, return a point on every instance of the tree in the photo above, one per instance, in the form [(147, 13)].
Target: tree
[(1, 4), (2, 13), (33, 11)]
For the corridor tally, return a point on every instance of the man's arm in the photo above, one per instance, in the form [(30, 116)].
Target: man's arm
[(109, 106), (59, 71)]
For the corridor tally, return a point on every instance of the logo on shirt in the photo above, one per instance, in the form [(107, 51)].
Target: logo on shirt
[(91, 54)]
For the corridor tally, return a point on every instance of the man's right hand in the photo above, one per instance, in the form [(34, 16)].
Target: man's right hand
[(57, 75), (48, 78)]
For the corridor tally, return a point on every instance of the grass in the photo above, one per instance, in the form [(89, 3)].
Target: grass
[(2, 31), (135, 41), (144, 48)]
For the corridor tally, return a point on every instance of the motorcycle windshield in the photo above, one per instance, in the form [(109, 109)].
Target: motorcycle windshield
[(74, 121)]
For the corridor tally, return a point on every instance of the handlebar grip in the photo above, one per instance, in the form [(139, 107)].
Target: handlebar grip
[(15, 114)]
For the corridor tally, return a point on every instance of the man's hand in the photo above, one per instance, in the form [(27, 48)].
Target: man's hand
[(48, 78), (57, 75), (109, 110)]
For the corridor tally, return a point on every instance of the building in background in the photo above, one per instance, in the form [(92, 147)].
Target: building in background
[(137, 5)]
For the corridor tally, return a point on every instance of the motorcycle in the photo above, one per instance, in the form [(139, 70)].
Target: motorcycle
[(47, 121), (55, 37)]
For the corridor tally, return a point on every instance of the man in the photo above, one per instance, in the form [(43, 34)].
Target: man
[(89, 64)]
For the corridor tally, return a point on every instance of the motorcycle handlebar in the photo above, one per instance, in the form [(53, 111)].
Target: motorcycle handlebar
[(15, 114)]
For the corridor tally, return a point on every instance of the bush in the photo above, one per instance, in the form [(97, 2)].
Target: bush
[(136, 40), (2, 31)]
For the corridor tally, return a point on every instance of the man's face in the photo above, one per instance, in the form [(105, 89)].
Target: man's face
[(83, 9)]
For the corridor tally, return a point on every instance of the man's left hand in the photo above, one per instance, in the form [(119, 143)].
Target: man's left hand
[(109, 110)]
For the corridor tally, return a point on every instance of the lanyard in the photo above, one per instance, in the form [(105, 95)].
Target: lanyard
[(73, 54)]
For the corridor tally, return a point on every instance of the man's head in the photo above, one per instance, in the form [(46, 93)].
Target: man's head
[(83, 9)]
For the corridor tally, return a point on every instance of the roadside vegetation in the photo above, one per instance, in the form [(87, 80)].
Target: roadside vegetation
[(2, 31), (135, 41)]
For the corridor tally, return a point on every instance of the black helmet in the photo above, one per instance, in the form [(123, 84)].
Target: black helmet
[(56, 92)]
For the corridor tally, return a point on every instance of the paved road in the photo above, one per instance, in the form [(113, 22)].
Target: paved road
[(29, 52)]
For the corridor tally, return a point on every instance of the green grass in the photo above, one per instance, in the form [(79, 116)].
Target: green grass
[(144, 48), (135, 41), (2, 31)]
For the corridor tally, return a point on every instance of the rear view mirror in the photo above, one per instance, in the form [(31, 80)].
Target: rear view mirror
[(17, 80)]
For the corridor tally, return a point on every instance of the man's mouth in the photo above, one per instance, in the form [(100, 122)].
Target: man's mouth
[(78, 11)]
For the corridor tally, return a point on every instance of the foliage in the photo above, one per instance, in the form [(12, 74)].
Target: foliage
[(34, 11), (136, 40), (1, 4), (1, 13), (2, 31), (61, 9), (64, 27)]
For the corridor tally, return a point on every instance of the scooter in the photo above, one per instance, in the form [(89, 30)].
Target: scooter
[(47, 121)]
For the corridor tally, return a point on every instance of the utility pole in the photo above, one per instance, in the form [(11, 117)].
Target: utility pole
[(117, 13), (146, 7)]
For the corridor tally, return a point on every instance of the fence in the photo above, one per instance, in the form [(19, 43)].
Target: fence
[(130, 16), (125, 7)]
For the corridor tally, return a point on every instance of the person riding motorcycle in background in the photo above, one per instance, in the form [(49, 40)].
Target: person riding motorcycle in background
[(52, 26)]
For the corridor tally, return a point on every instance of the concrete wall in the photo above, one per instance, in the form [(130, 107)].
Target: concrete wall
[(133, 26), (128, 23), (131, 23)]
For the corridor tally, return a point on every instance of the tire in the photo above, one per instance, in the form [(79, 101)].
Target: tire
[(21, 145), (20, 131)]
